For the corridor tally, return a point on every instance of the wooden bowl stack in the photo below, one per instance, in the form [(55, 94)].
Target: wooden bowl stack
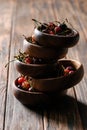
[(45, 76)]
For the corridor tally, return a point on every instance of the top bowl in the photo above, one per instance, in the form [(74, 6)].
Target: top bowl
[(59, 41)]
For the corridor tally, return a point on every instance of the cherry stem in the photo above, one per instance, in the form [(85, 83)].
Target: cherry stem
[(37, 22), (9, 63), (69, 22)]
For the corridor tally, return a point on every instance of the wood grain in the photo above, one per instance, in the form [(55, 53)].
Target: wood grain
[(5, 28), (18, 116)]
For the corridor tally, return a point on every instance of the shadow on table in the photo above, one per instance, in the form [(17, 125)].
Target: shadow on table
[(67, 107)]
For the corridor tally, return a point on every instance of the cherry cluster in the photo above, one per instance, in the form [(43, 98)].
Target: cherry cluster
[(54, 28)]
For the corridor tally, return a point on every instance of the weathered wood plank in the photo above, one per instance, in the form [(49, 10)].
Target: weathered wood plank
[(63, 10), (6, 8), (82, 53), (18, 116), (79, 52), (81, 91)]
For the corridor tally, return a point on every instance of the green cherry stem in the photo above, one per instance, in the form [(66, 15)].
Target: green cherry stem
[(9, 63)]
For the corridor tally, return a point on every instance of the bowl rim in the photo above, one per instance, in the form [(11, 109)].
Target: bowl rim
[(39, 46), (60, 36), (44, 47), (35, 65)]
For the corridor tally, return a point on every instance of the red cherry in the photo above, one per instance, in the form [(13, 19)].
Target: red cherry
[(57, 29), (66, 72), (51, 25), (25, 85), (21, 80), (28, 60), (71, 72)]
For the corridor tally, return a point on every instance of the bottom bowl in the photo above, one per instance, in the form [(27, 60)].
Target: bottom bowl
[(35, 98)]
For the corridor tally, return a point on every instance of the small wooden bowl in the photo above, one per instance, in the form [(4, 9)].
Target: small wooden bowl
[(34, 98), (59, 84), (59, 41), (35, 70), (38, 51)]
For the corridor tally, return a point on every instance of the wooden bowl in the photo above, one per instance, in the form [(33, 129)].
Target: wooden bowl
[(59, 84), (38, 51), (34, 98), (36, 70), (59, 41)]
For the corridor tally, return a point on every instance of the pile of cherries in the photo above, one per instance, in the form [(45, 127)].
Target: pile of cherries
[(54, 28), (25, 58), (23, 82)]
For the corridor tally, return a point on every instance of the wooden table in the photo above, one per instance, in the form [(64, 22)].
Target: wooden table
[(15, 20)]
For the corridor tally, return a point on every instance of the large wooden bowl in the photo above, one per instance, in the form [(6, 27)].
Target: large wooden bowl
[(59, 41), (38, 51), (36, 70), (35, 98), (60, 83)]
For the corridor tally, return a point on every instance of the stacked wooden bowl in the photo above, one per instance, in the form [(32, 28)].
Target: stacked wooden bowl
[(45, 77)]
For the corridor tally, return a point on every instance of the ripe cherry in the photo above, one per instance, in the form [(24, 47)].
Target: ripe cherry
[(25, 85), (27, 60), (66, 72), (71, 72), (21, 80), (51, 26), (57, 29)]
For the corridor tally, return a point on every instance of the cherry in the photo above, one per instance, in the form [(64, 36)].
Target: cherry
[(25, 85), (57, 29), (21, 80), (71, 72), (66, 72), (51, 26), (27, 60)]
